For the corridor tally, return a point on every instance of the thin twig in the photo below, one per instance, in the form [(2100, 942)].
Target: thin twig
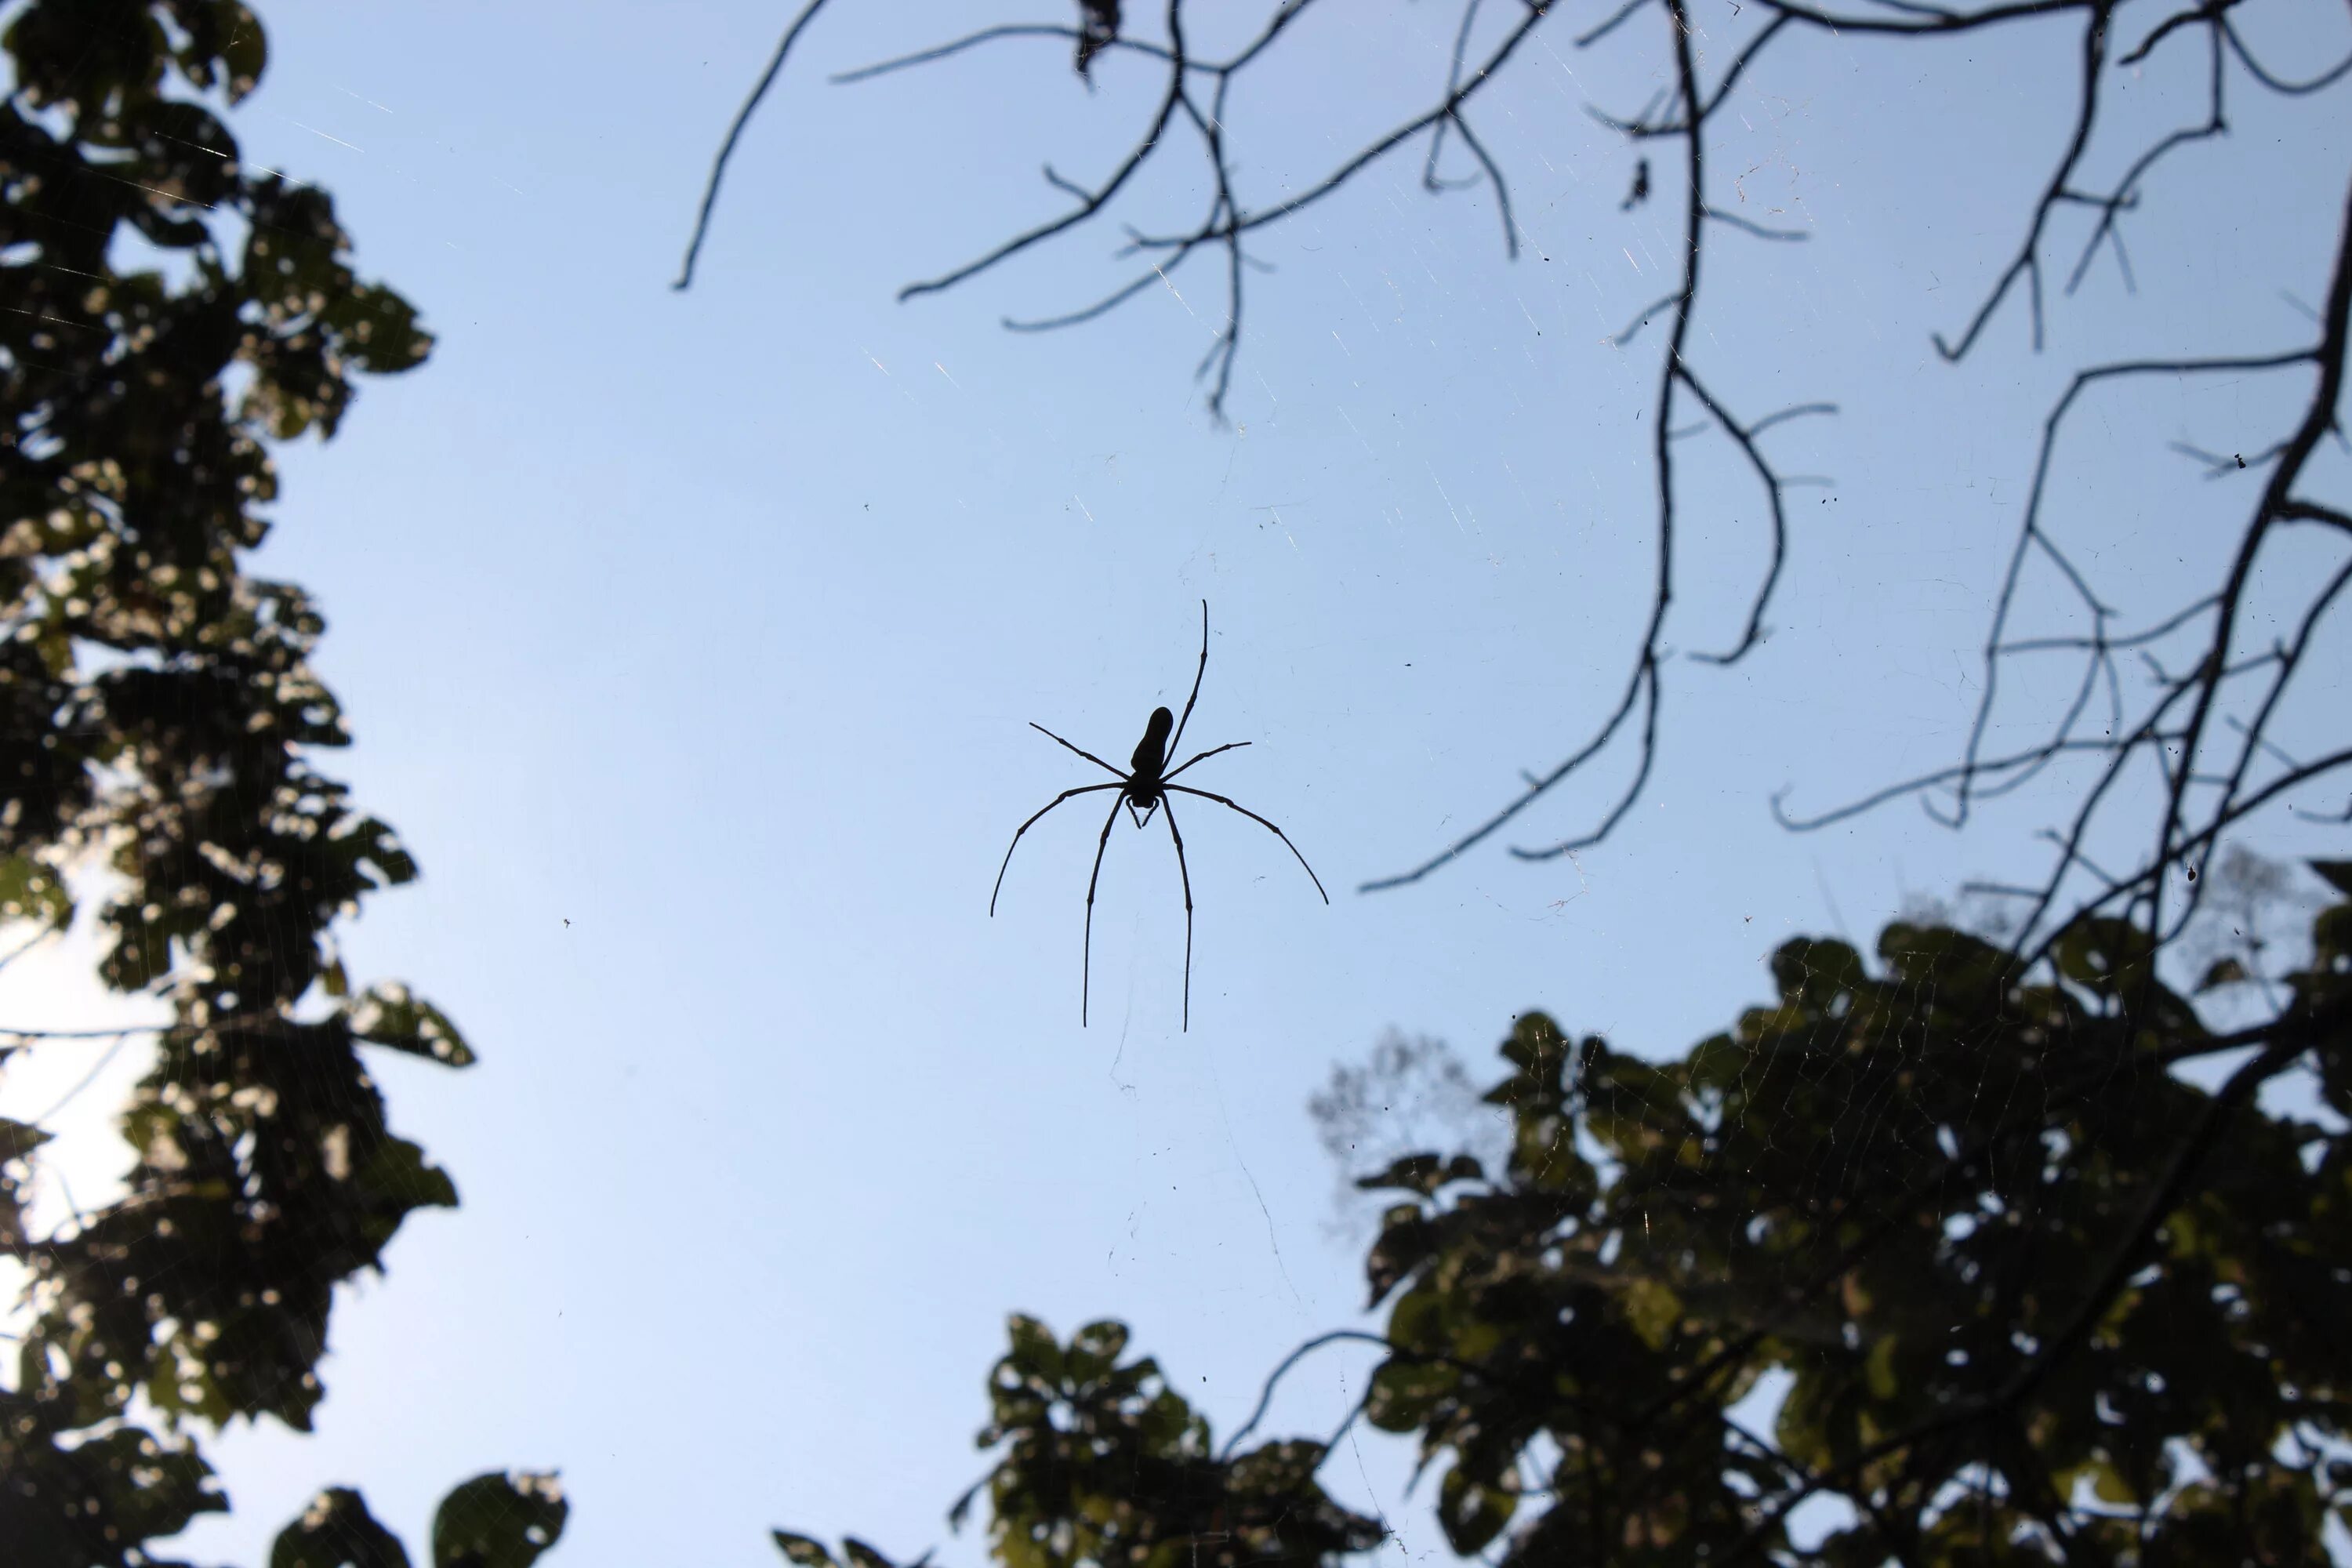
[(735, 133)]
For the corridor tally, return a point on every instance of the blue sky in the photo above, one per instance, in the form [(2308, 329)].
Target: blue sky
[(691, 642)]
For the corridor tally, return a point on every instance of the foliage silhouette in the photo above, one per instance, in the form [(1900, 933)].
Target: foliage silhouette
[(2029, 1295), (1102, 1463), (166, 311)]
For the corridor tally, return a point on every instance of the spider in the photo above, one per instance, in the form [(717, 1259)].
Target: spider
[(1142, 791)]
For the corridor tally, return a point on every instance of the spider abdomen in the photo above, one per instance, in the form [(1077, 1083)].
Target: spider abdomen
[(1151, 752)]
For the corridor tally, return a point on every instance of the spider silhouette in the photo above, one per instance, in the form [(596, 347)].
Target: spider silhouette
[(1142, 791)]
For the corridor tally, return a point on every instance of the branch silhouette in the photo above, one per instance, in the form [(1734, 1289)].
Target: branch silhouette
[(2184, 714)]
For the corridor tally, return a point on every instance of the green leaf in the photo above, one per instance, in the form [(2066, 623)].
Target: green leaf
[(17, 1140), (498, 1521), (862, 1555), (337, 1531), (1094, 1352), (1403, 1393), (2225, 971), (139, 1487), (379, 329), (1424, 1174), (802, 1550), (246, 53), (2337, 873), (1536, 1047), (2110, 1487), (1472, 1511), (1879, 1370), (1654, 1309), (1034, 1356), (2099, 954), (1815, 971), (1406, 1241), (29, 891), (396, 1180), (1415, 1173), (389, 1014)]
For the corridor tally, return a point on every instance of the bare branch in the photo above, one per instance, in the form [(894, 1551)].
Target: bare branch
[(1638, 323), (1641, 685), (2255, 68), (2319, 416), (1274, 1378), (1449, 109), (2028, 262), (2202, 12), (2295, 510), (1931, 21), (1785, 415), (1772, 488), (1502, 190), (2029, 533), (2099, 644), (2159, 736), (1102, 307), (1429, 179), (1585, 40), (1094, 203), (1954, 773), (735, 133), (990, 35), (2127, 190), (1752, 226)]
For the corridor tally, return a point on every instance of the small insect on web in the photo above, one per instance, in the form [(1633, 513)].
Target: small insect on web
[(1142, 790)]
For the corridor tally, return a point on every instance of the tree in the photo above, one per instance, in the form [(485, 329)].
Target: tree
[(169, 312), (2031, 1296), (1104, 1463)]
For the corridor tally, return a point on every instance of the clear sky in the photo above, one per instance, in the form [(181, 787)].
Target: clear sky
[(691, 643)]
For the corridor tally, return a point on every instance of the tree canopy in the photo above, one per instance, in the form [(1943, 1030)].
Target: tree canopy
[(170, 311), (2028, 1295)]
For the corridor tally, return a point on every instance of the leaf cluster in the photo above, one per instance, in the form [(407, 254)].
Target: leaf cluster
[(1102, 1465), (167, 311), (2024, 1293), (494, 1520), (2030, 1291)]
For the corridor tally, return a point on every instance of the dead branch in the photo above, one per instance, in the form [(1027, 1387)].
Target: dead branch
[(2174, 729)]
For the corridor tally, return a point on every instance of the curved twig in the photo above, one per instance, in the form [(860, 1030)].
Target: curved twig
[(735, 133), (2027, 261), (1094, 203), (989, 35)]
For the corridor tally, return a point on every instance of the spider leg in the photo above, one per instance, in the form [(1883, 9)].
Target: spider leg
[(1262, 822), (1177, 739), (1204, 756), (1086, 953), (1058, 741), (1182, 872), (1082, 789)]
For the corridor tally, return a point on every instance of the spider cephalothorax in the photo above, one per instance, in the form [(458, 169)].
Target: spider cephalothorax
[(1144, 785), (1143, 789)]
